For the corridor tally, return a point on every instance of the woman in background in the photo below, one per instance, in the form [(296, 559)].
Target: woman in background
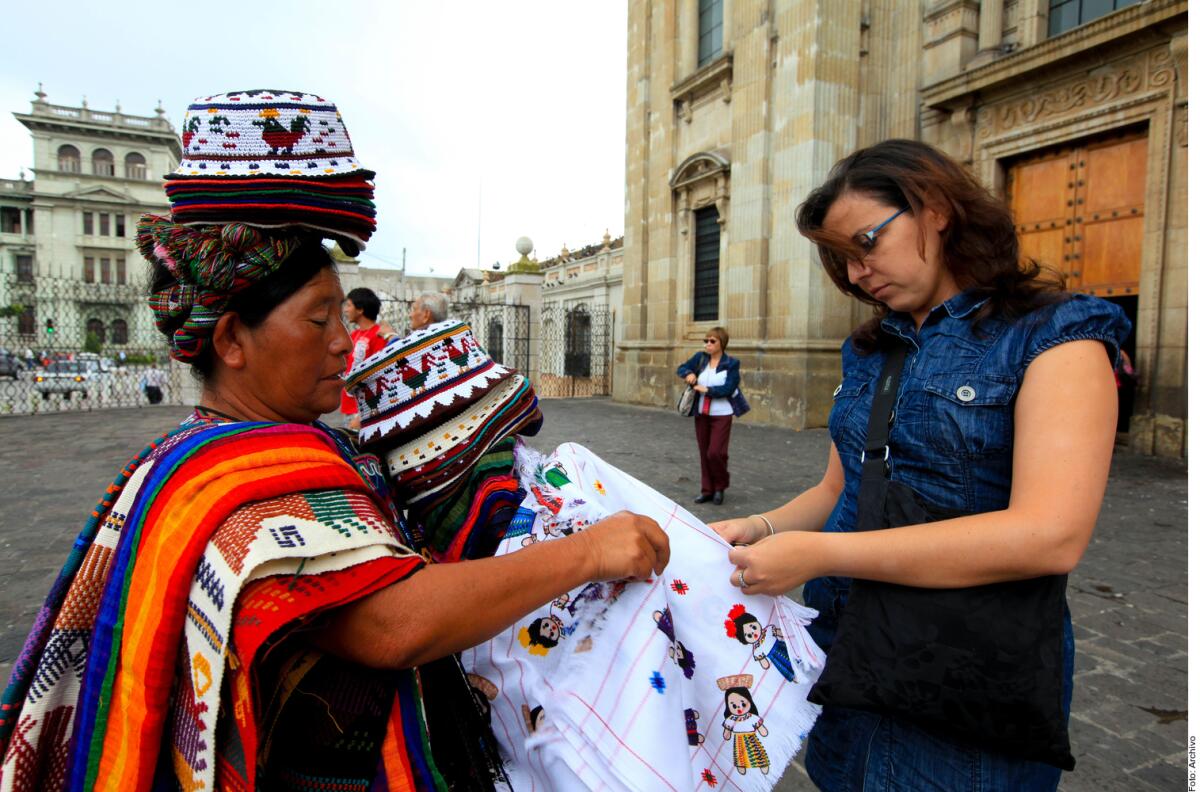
[(715, 376)]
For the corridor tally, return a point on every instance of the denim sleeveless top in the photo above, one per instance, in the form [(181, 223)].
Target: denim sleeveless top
[(952, 435)]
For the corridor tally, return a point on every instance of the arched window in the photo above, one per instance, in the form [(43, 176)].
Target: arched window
[(120, 331), (135, 166), (68, 158), (701, 191), (96, 327), (102, 163)]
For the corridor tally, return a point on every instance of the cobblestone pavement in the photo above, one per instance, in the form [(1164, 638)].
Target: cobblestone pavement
[(1128, 597)]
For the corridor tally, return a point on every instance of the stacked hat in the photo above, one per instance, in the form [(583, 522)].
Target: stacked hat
[(272, 159), (441, 412)]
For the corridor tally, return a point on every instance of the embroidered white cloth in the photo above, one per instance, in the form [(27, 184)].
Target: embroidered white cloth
[(678, 682)]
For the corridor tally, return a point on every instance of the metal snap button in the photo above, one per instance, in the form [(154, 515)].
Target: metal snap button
[(965, 393), (837, 390)]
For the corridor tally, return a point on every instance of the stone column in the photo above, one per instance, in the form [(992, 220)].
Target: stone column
[(1032, 19), (523, 286), (991, 28), (687, 21)]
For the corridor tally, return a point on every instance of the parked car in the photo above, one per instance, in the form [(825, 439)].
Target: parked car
[(11, 366), (95, 364), (65, 377)]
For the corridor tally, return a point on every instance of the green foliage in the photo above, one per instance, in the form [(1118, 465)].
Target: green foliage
[(91, 343), (7, 311)]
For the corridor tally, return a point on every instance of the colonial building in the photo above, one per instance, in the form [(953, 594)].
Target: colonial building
[(67, 254), (1076, 111), (581, 315)]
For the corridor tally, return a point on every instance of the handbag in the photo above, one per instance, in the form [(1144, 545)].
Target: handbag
[(687, 400), (982, 664)]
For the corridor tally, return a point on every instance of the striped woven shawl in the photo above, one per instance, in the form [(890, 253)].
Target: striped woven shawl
[(92, 691)]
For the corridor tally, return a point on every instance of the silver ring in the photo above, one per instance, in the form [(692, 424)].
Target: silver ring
[(742, 577)]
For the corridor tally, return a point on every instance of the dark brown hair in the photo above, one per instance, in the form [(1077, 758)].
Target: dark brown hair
[(721, 334), (979, 242)]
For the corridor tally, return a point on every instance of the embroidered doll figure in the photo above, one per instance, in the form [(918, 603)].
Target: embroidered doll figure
[(522, 525), (743, 725), (747, 629), (678, 652), (556, 476), (690, 717), (595, 592), (552, 503), (533, 717), (542, 634)]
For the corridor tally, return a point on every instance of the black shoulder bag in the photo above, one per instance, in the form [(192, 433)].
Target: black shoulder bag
[(982, 664)]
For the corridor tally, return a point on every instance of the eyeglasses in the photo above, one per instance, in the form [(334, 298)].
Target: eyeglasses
[(711, 341), (867, 239)]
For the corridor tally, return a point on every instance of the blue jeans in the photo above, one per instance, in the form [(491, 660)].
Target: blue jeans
[(849, 751), (854, 751)]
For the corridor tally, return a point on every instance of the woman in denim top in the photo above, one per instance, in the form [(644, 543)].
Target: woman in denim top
[(1006, 412)]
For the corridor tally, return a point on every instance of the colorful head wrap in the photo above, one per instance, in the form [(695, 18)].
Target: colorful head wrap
[(210, 265), (272, 159)]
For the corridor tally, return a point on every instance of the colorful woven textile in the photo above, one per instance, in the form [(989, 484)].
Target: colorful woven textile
[(130, 650), (642, 685), (272, 159), (441, 412), (471, 523), (420, 382), (210, 265)]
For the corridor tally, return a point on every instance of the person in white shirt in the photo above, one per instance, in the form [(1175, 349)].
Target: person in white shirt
[(715, 376)]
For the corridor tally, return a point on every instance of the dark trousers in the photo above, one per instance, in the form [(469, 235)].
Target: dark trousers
[(712, 436)]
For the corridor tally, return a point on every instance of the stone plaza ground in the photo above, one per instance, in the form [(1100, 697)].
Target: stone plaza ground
[(1129, 596)]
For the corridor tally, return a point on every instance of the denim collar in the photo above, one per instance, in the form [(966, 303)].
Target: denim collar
[(961, 306), (965, 303)]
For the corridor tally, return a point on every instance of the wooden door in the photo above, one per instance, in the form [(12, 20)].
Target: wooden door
[(1079, 210), (1041, 194)]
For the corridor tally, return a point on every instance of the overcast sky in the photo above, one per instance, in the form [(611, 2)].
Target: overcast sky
[(525, 101)]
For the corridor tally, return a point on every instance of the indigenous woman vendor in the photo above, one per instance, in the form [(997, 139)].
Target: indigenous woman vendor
[(971, 439), (245, 609)]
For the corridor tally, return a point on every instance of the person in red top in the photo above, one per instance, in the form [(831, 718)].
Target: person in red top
[(367, 337)]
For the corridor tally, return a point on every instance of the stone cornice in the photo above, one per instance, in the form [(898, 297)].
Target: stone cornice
[(66, 126), (700, 84), (1121, 86), (1115, 26)]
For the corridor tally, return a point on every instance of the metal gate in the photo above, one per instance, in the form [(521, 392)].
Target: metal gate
[(71, 345), (502, 330), (576, 351)]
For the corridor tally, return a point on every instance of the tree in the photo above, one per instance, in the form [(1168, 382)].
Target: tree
[(91, 343)]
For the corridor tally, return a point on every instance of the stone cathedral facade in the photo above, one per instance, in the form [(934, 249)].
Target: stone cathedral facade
[(1076, 112)]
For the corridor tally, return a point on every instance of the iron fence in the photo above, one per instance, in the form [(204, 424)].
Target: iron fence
[(502, 330), (576, 351), (72, 345)]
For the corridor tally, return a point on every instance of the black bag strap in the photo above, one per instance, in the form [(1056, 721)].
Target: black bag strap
[(876, 455)]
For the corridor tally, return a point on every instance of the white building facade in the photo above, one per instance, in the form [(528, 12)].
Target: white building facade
[(69, 268), (581, 319)]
